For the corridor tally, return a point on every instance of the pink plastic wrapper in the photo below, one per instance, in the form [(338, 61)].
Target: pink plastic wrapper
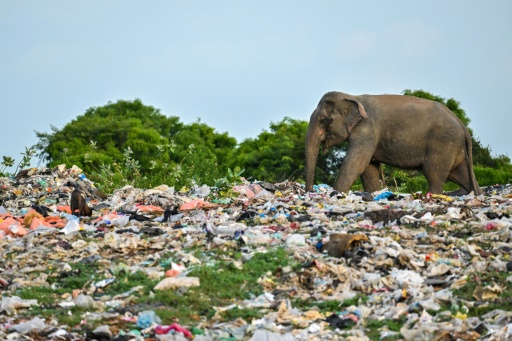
[(176, 327)]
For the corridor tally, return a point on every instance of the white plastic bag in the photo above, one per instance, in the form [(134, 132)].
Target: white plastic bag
[(71, 226)]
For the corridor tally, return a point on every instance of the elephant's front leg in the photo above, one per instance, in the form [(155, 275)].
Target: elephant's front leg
[(370, 178), (356, 162)]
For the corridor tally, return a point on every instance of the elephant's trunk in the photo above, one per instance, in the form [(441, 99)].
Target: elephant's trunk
[(313, 140)]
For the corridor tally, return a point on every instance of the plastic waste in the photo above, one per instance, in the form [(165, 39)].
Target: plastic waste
[(71, 226), (84, 301), (120, 220), (177, 282), (103, 332), (383, 195), (295, 240), (202, 191), (35, 325), (266, 335), (147, 318), (173, 327), (11, 304), (105, 282), (407, 278)]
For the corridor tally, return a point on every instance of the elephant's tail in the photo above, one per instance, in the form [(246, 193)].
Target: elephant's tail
[(469, 160)]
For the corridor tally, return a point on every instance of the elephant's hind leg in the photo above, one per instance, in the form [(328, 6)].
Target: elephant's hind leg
[(436, 171), (460, 175), (441, 157), (370, 178)]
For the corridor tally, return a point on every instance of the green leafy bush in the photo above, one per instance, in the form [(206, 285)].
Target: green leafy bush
[(488, 176)]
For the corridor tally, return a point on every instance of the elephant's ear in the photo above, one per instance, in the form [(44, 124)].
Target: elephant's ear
[(355, 114)]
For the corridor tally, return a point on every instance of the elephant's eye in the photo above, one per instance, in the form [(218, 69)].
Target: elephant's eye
[(326, 120)]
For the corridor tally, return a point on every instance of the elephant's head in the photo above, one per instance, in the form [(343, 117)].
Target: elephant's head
[(331, 123)]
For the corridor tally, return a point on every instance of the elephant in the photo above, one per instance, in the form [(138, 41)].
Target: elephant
[(406, 132)]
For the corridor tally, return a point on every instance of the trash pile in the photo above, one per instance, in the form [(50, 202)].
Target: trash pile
[(396, 266)]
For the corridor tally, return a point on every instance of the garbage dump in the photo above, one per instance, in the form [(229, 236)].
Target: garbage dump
[(152, 264)]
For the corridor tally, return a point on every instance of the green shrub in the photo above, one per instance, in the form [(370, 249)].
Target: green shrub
[(488, 176)]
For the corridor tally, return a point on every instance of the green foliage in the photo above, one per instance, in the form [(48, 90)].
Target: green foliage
[(221, 285), (44, 295), (81, 275), (373, 328), (8, 161), (231, 177), (274, 155), (71, 316), (329, 306), (503, 302), (359, 299), (279, 154), (491, 176), (247, 314), (128, 142), (126, 281)]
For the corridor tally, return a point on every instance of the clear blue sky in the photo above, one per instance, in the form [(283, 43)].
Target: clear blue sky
[(239, 65)]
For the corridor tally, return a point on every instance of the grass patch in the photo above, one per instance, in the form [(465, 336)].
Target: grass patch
[(331, 305), (125, 282), (373, 328), (66, 316), (221, 284), (244, 313), (79, 275), (359, 299), (504, 301), (45, 296)]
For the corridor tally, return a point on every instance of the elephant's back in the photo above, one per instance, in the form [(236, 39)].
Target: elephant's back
[(421, 111)]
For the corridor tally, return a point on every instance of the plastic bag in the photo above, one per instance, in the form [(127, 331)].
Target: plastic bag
[(36, 324), (71, 226), (145, 319)]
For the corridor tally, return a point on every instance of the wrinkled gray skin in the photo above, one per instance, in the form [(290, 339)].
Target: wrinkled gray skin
[(401, 131)]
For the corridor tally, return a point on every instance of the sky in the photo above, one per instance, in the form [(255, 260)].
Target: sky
[(240, 65)]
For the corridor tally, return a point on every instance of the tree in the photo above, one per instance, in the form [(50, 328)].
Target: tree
[(124, 130), (274, 155), (104, 132), (279, 154)]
